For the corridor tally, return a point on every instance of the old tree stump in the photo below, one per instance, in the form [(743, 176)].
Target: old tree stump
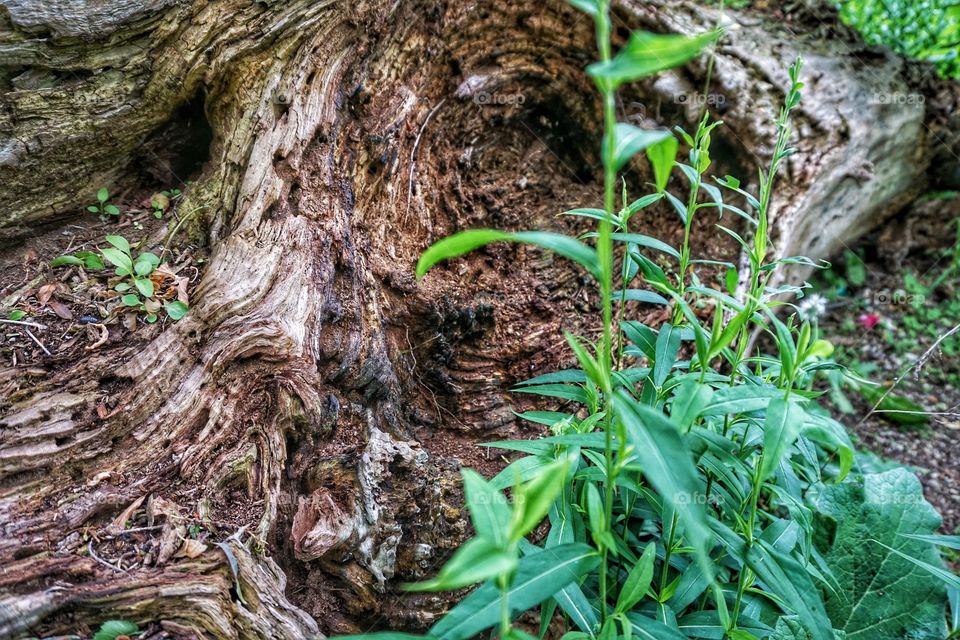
[(313, 408)]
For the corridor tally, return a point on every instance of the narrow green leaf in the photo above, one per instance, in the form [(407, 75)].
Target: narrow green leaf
[(533, 499), (952, 542), (689, 400), (489, 509), (741, 399), (641, 335), (662, 157), (575, 376), (668, 465), (638, 580), (587, 6), (588, 362), (646, 54), (782, 425), (62, 261), (647, 241), (466, 241), (630, 140), (476, 560), (539, 576), (639, 295), (386, 635), (565, 391), (783, 576), (668, 344)]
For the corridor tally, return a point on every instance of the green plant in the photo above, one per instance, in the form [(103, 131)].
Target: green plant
[(135, 285), (682, 492), (925, 29), (103, 206), (17, 315), (113, 629)]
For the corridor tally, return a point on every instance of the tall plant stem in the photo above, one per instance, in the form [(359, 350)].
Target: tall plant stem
[(504, 607), (605, 253)]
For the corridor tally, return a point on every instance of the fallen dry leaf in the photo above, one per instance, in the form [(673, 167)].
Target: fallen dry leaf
[(60, 309), (191, 549), (120, 522), (45, 292), (159, 201), (100, 337)]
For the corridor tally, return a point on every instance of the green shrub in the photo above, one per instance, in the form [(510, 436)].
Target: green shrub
[(924, 29), (698, 491)]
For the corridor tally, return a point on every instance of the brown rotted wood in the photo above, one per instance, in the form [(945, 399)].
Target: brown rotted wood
[(311, 411)]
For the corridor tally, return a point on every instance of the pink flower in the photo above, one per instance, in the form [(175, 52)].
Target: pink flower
[(869, 320)]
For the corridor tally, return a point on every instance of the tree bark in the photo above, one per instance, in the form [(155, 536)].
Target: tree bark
[(293, 443)]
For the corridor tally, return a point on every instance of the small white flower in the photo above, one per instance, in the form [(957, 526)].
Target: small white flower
[(813, 306)]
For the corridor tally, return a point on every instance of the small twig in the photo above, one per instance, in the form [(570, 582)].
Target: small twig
[(94, 555), (413, 155), (176, 228), (952, 414), (34, 338), (24, 323), (922, 360), (138, 529)]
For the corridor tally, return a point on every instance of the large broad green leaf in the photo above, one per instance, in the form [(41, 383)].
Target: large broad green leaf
[(668, 464), (789, 628), (539, 576), (880, 595), (646, 54), (466, 241)]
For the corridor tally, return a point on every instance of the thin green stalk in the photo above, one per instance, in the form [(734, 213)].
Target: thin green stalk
[(757, 280), (504, 606), (667, 552), (605, 254)]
